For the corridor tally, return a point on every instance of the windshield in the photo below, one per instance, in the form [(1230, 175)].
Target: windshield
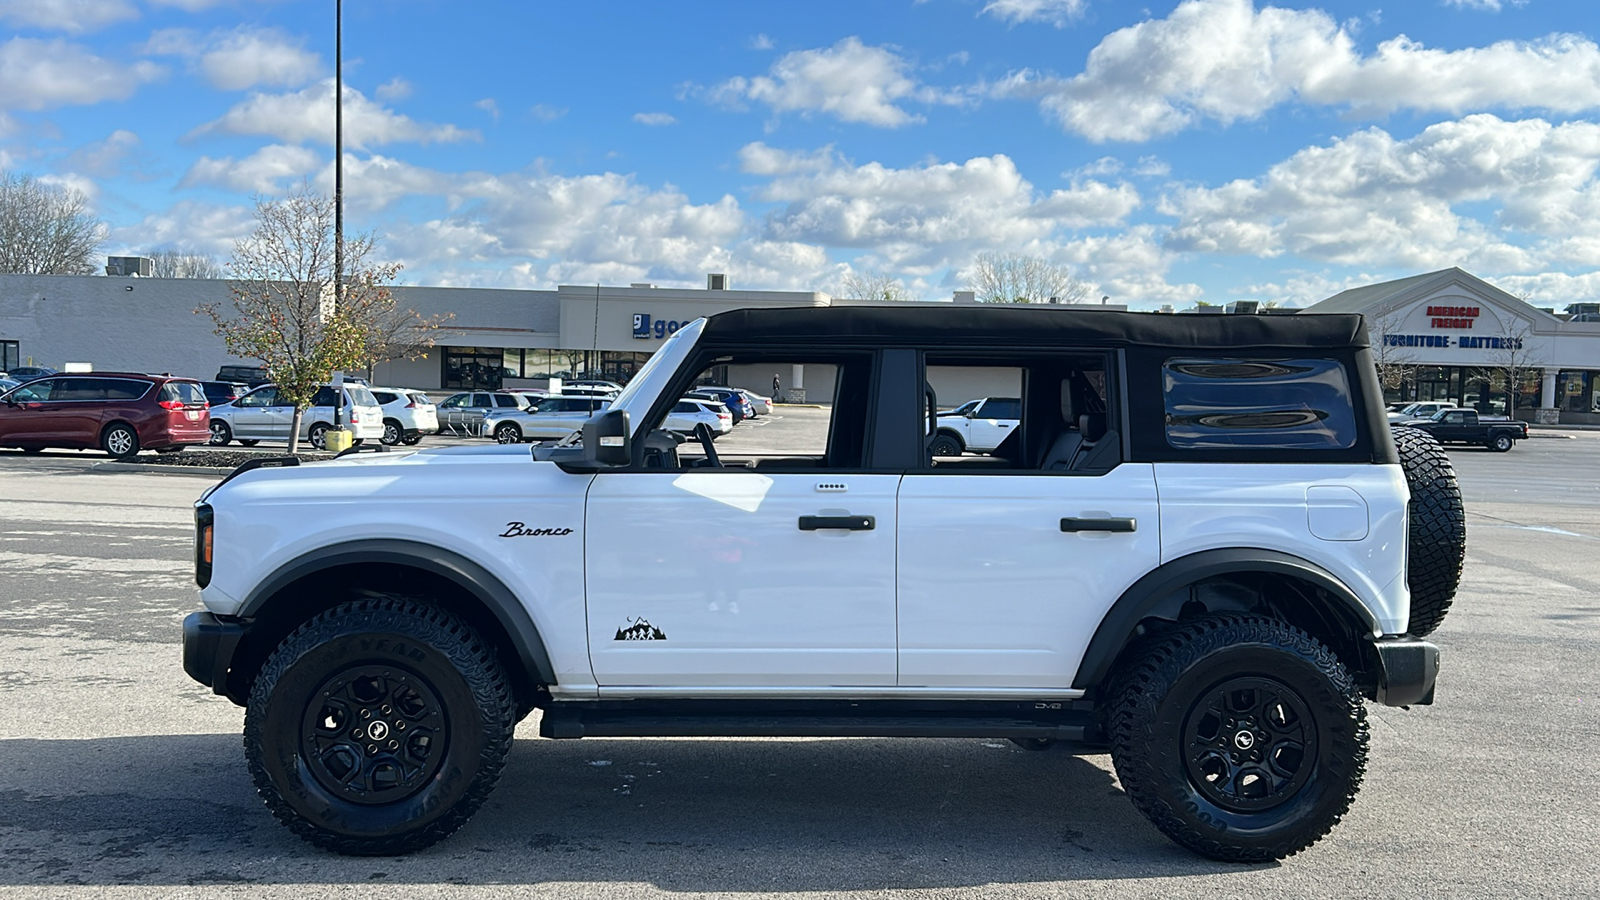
[(649, 381)]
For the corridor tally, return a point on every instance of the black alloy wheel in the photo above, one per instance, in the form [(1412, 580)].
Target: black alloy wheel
[(378, 727), (392, 432), (946, 445), (221, 434), (1240, 737)]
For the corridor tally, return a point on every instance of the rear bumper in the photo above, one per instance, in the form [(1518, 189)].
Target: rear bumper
[(209, 642), (1407, 670)]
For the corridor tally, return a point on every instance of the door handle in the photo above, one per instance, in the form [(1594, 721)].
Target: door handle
[(846, 523), (1110, 524)]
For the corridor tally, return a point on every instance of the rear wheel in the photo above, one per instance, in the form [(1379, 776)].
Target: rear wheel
[(175, 448), (120, 441), (946, 445), (393, 433), (319, 436), (412, 440), (378, 727), (248, 443), (1240, 737), (221, 434), (1500, 443)]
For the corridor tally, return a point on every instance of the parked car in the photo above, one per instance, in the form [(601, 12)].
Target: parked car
[(759, 405), (263, 415), (727, 396), (690, 413), (118, 412), (7, 384), (977, 425), (463, 413), (549, 419), (254, 376), (220, 392), (407, 415), (28, 373), (589, 389), (1422, 409), (606, 386), (1466, 427)]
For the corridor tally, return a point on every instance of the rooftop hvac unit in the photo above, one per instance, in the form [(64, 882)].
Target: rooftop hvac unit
[(140, 266), (1243, 307), (716, 282)]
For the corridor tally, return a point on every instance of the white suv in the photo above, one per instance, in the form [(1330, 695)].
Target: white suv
[(1200, 549), (407, 415)]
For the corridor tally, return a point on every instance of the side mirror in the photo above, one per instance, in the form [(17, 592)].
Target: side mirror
[(972, 414), (605, 439)]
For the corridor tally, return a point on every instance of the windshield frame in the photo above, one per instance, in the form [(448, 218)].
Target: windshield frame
[(657, 371)]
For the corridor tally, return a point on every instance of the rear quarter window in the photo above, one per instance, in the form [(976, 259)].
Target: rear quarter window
[(360, 396), (1288, 404)]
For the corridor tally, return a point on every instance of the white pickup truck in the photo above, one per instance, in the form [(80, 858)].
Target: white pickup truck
[(977, 425)]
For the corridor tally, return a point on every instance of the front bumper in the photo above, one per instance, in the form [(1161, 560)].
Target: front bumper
[(209, 642), (1407, 669)]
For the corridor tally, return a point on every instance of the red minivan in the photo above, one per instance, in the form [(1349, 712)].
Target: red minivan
[(118, 412)]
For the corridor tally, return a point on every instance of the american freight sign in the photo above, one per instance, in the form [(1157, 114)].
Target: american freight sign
[(1454, 317)]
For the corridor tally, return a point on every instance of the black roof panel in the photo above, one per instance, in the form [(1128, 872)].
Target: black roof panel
[(1040, 326)]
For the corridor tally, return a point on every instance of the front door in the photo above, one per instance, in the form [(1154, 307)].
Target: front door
[(731, 578)]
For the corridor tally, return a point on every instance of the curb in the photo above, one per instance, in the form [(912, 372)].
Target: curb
[(157, 469)]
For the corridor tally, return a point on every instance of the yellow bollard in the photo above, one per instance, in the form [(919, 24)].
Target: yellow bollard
[(338, 440)]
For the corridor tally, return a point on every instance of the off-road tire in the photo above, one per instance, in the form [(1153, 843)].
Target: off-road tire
[(221, 434), (1438, 526), (946, 445), (1164, 700), (120, 441), (400, 645), (507, 433), (393, 432)]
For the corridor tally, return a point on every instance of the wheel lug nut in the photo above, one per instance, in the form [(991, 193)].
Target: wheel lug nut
[(393, 744), (372, 748), (366, 714)]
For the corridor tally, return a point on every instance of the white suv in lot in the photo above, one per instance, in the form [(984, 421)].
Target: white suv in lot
[(408, 415), (263, 415), (1200, 549)]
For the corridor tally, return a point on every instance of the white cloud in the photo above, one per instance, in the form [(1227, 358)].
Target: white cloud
[(1223, 60), (655, 118), (245, 58), (1052, 12), (927, 216), (265, 171), (489, 106), (192, 227), (1372, 201), (850, 81), (107, 158), (190, 5), (71, 16), (761, 42), (1486, 5), (37, 74), (396, 88), (544, 112), (307, 115)]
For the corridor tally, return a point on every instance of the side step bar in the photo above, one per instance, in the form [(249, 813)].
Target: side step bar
[(578, 720)]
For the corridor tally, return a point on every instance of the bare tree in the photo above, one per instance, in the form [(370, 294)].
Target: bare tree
[(46, 230), (283, 310), (394, 331), (1512, 356), (177, 264), (873, 284), (1396, 362), (1016, 278)]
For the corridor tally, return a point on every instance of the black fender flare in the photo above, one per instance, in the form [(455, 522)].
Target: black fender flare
[(482, 584), (1146, 595)]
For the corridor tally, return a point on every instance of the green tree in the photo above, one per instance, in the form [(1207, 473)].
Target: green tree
[(282, 309)]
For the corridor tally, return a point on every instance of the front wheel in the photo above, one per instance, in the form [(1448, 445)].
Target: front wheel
[(221, 434), (508, 433), (1500, 443), (1241, 738), (378, 727), (248, 443), (412, 440)]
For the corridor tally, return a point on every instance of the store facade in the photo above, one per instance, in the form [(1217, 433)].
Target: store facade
[(1452, 336)]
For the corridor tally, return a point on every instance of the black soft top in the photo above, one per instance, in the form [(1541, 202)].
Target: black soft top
[(1038, 326)]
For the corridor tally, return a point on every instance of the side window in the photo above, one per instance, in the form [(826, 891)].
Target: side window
[(384, 398), (482, 400), (505, 401), (126, 389), (831, 435), (1300, 404), (37, 391), (323, 397), (1039, 412), (454, 401), (1455, 418)]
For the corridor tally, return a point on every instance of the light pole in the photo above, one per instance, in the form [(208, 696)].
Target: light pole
[(337, 435)]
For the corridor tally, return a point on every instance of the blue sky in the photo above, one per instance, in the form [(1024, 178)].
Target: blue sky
[(1167, 153)]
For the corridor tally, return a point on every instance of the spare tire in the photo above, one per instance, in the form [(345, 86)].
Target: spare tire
[(1438, 520)]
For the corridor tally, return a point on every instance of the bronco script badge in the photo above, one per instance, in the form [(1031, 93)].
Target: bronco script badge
[(517, 529)]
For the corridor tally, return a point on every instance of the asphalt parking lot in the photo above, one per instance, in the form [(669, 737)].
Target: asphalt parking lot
[(117, 771)]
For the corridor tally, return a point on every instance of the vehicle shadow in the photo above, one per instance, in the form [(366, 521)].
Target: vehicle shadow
[(683, 815)]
